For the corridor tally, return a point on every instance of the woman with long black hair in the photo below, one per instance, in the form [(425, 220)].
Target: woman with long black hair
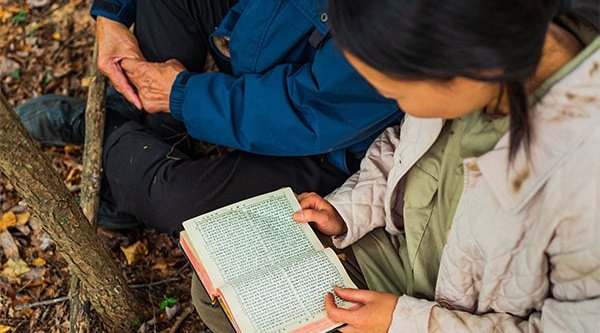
[(481, 212)]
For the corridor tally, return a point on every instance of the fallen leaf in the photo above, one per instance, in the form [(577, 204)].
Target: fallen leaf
[(56, 36), (37, 3), (161, 266), (147, 326), (134, 252), (24, 229), (8, 220), (35, 276), (18, 209), (38, 262), (171, 311), (9, 246), (85, 82), (5, 329), (45, 242), (23, 218), (14, 268)]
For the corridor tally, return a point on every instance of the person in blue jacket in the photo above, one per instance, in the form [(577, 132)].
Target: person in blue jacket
[(285, 99)]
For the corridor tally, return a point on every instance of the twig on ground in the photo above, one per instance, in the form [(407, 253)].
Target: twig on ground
[(66, 298), (42, 303), (186, 313), (152, 284)]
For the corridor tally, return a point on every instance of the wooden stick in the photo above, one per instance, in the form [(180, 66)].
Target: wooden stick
[(80, 321), (152, 284), (42, 303), (186, 313)]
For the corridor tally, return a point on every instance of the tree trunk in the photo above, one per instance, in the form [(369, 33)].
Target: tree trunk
[(30, 172), (80, 320)]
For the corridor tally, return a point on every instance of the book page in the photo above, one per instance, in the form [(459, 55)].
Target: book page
[(250, 236), (288, 297)]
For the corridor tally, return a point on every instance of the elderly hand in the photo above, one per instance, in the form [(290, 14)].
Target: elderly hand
[(373, 314), (115, 43), (153, 81), (319, 211)]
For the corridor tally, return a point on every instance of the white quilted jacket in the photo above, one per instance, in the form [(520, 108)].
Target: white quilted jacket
[(523, 253)]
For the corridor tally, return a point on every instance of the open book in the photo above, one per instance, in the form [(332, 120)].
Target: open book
[(269, 273)]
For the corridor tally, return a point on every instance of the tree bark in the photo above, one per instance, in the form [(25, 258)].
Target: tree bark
[(30, 172), (80, 320)]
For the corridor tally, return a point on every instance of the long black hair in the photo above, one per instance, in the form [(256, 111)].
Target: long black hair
[(488, 40)]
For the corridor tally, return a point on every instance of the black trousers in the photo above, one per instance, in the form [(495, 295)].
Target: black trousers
[(149, 170)]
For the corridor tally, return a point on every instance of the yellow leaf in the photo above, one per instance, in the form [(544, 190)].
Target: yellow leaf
[(8, 220), (14, 268), (23, 218), (56, 36), (5, 329), (38, 262), (134, 252), (86, 81)]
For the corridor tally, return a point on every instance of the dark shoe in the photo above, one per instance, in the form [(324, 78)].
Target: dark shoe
[(59, 120), (110, 218)]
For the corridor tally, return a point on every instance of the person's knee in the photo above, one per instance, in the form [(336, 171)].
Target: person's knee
[(212, 316), (200, 297)]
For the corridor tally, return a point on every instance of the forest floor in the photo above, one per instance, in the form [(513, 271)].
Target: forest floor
[(45, 48)]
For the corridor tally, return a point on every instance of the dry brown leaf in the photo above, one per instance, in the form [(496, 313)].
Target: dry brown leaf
[(8, 220), (24, 229), (9, 246), (134, 252), (8, 66), (161, 266), (14, 268), (74, 175), (37, 3), (35, 276), (5, 329), (16, 8), (23, 218), (86, 81)]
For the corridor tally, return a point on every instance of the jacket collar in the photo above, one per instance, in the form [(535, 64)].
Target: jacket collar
[(566, 111)]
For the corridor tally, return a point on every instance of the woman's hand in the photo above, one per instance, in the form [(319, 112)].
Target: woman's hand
[(322, 213), (373, 314), (115, 43)]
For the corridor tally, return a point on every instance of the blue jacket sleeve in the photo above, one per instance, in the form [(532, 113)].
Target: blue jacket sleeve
[(117, 10), (291, 110)]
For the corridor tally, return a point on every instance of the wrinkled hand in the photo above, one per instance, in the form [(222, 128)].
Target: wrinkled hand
[(153, 81), (115, 43), (373, 313), (319, 211)]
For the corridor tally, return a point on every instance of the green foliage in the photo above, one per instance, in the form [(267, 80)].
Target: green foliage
[(32, 32), (16, 74), (20, 17), (48, 76), (167, 302)]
